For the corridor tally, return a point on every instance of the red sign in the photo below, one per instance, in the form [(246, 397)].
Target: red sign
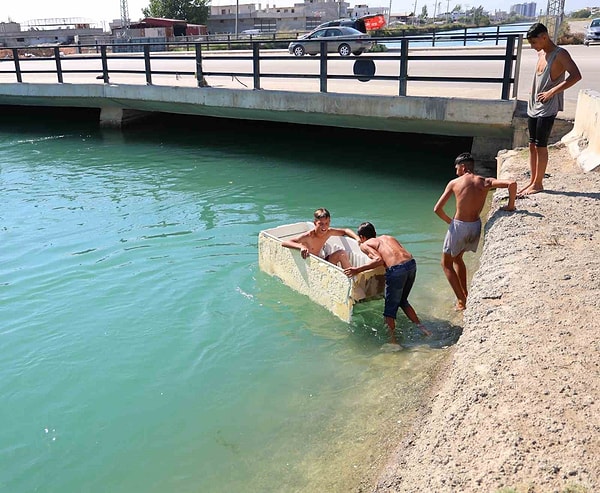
[(375, 22)]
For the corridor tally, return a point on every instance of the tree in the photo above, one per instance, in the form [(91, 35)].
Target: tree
[(479, 17), (581, 14), (193, 11), (424, 13)]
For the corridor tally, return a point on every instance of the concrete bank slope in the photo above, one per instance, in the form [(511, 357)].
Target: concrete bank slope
[(517, 407)]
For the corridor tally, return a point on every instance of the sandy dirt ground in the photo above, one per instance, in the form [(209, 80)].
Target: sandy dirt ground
[(517, 405)]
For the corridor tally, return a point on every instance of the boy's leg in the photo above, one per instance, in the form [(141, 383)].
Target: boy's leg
[(393, 295), (538, 161), (539, 131), (407, 308), (341, 257), (532, 167), (409, 311), (448, 263), (408, 282), (540, 169), (461, 271), (532, 124), (391, 323)]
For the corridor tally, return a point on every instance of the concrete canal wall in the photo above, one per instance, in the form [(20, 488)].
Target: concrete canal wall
[(584, 140)]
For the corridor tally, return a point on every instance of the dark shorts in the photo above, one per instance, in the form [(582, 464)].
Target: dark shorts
[(399, 280), (539, 130)]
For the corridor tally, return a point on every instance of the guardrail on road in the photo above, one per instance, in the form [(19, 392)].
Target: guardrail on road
[(391, 65)]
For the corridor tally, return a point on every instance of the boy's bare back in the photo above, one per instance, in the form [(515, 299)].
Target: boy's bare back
[(387, 248), (471, 192)]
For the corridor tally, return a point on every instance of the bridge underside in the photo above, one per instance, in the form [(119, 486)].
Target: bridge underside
[(490, 123)]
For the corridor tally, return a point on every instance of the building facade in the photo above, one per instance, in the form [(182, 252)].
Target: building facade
[(11, 34), (524, 9), (250, 17)]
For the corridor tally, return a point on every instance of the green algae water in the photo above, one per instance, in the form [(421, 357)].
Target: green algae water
[(141, 348)]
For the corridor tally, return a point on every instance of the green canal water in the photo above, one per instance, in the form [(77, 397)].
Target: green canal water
[(141, 348)]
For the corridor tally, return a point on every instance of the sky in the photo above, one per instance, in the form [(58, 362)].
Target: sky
[(104, 11)]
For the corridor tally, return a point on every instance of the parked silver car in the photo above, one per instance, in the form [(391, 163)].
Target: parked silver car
[(344, 40), (592, 35)]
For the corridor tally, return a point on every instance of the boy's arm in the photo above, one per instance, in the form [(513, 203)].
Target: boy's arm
[(344, 232), (439, 207), (512, 191), (297, 244), (376, 261)]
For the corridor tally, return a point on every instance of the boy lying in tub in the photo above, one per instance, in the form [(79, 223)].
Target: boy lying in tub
[(314, 241)]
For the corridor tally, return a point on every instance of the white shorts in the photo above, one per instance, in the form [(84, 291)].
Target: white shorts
[(462, 236)]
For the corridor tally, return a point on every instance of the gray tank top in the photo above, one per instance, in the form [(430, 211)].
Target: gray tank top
[(541, 83)]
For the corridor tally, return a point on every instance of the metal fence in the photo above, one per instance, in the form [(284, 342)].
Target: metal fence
[(257, 51)]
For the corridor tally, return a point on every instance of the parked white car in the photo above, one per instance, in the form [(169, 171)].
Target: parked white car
[(592, 35)]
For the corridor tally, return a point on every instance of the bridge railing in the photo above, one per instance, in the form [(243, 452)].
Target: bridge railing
[(393, 64)]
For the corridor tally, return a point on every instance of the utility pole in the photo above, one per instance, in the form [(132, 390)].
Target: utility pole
[(415, 14), (555, 16), (125, 23)]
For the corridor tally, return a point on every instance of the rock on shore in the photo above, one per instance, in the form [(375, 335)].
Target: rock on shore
[(517, 407)]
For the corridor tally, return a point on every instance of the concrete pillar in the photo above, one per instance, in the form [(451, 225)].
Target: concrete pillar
[(485, 149), (117, 117)]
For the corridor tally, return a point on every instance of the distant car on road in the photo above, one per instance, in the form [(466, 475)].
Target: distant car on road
[(357, 24), (592, 35), (363, 24), (344, 40)]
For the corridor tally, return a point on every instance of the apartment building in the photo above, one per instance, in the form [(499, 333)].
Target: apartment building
[(251, 17)]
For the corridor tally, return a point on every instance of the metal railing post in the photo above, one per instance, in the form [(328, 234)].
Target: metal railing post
[(256, 64), (403, 76), (104, 63), (465, 37), (59, 72), (508, 56), (147, 65), (15, 52), (323, 66), (199, 71)]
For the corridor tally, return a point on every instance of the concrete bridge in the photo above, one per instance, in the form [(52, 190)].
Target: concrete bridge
[(447, 109), (490, 123)]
